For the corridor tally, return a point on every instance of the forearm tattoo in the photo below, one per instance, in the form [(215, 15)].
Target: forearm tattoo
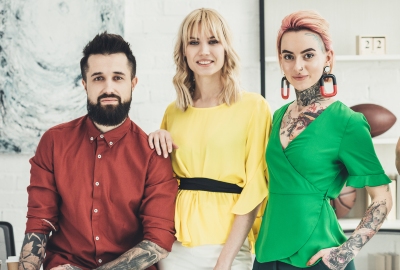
[(33, 251), (142, 256), (368, 227)]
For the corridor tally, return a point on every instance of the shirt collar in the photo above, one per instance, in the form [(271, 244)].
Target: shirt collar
[(112, 136)]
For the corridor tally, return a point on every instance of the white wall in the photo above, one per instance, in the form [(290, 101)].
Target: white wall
[(347, 19), (375, 82), (151, 28)]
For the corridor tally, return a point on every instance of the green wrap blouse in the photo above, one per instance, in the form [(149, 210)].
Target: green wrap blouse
[(334, 149)]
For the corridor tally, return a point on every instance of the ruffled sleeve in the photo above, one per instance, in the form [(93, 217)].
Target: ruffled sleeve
[(255, 188), (358, 155)]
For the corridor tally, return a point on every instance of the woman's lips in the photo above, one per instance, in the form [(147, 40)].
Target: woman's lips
[(300, 78), (204, 63)]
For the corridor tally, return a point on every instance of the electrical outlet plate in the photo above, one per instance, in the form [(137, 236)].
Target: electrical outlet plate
[(371, 45)]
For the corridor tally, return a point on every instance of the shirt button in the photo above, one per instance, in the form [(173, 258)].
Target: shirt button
[(102, 136), (111, 143), (91, 138), (99, 156), (97, 238), (100, 260), (95, 210), (97, 184)]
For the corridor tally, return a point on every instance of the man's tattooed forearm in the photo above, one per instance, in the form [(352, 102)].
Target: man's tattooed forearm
[(140, 257), (33, 251), (369, 225)]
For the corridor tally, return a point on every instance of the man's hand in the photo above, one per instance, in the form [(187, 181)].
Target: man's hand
[(66, 267), (140, 257)]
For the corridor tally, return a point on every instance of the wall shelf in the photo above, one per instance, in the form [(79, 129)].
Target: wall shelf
[(385, 140), (383, 57), (351, 224)]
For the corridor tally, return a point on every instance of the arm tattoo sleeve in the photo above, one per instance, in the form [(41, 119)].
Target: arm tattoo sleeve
[(368, 227), (33, 251), (142, 256)]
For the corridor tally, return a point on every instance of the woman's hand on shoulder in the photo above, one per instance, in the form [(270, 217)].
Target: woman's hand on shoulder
[(162, 141), (334, 258)]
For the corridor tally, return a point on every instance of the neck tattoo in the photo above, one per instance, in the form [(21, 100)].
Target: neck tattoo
[(309, 96)]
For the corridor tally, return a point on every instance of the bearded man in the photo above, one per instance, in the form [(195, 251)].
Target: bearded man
[(106, 198)]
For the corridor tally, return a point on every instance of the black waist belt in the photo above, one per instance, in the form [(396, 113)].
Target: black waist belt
[(206, 184)]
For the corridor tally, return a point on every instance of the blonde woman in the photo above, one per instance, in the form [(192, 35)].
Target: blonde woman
[(219, 133)]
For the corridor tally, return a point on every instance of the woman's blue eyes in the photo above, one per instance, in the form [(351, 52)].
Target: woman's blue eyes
[(211, 42)]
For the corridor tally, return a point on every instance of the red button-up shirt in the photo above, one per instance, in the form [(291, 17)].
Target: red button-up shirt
[(99, 194)]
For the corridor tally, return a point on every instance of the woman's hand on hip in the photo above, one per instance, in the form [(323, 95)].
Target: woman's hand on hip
[(333, 258), (162, 141)]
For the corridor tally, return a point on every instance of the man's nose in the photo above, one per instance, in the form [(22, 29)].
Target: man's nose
[(109, 86)]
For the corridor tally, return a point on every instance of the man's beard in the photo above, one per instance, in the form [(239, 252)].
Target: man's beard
[(108, 115)]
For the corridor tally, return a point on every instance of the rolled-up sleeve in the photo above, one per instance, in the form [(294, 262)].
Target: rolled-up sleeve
[(158, 205), (255, 189), (43, 198)]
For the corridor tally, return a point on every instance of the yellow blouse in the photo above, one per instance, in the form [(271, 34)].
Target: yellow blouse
[(225, 143)]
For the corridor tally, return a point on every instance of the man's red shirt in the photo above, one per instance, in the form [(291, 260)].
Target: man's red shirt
[(99, 194)]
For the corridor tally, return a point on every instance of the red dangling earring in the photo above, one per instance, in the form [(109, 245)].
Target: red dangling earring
[(283, 88), (324, 76)]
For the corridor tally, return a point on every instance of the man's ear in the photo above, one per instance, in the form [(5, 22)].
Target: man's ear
[(134, 82), (84, 84)]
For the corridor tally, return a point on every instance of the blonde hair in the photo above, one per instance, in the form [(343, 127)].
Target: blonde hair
[(207, 21)]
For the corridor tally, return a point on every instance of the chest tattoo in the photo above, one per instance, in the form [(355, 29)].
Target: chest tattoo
[(293, 126)]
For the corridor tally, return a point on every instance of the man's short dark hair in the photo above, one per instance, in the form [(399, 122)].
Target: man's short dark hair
[(105, 43)]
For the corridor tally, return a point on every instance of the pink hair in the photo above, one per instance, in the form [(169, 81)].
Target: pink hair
[(306, 20)]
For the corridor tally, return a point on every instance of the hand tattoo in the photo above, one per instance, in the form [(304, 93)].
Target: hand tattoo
[(140, 257), (33, 251), (339, 257), (68, 267)]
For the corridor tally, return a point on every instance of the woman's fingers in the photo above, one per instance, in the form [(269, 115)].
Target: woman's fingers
[(162, 142), (150, 139), (156, 140), (315, 258), (164, 146)]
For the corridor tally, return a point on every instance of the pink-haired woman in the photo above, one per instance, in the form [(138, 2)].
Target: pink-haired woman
[(317, 145)]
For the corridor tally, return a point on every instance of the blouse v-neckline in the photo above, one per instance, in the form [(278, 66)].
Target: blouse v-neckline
[(307, 128)]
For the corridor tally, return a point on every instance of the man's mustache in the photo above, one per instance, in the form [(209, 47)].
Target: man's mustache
[(108, 96)]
